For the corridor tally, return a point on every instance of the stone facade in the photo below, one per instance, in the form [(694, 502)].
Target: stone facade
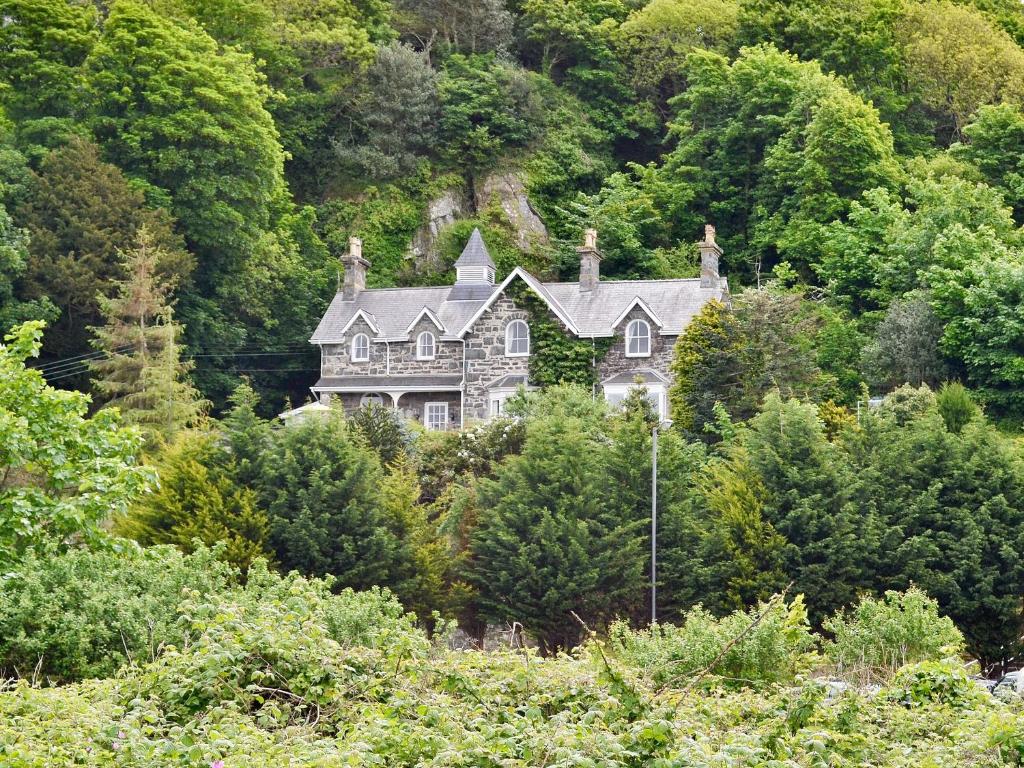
[(615, 361), (485, 360), (485, 355), (393, 357)]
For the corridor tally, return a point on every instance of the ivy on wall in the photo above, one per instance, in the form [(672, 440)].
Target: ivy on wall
[(555, 356)]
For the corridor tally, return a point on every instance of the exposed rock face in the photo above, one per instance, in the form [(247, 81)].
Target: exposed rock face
[(504, 188), (443, 210), (507, 189)]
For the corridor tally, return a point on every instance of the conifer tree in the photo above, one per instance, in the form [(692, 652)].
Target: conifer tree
[(197, 499), (552, 537), (142, 372)]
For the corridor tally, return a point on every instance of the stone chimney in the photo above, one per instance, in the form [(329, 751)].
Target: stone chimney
[(590, 261), (709, 253), (355, 269)]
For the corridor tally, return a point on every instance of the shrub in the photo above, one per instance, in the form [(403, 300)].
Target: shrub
[(772, 652), (84, 614), (283, 649), (933, 682), (881, 635)]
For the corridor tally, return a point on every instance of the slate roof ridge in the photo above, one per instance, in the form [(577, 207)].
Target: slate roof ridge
[(648, 281)]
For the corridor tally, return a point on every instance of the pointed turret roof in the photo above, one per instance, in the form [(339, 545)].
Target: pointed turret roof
[(475, 253)]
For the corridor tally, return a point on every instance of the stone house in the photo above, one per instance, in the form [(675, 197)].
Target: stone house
[(451, 354)]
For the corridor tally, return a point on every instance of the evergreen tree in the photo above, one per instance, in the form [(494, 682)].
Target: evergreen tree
[(551, 538), (397, 114), (196, 499), (322, 488), (79, 213), (954, 521), (141, 371), (833, 540), (706, 367), (247, 436)]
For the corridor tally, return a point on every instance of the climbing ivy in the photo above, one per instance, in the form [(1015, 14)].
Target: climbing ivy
[(555, 356)]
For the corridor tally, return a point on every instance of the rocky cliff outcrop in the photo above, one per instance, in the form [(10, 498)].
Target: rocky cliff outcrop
[(504, 189)]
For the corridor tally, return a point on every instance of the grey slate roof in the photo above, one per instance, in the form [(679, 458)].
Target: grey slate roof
[(675, 302), (511, 381), (646, 375), (475, 253), (370, 383)]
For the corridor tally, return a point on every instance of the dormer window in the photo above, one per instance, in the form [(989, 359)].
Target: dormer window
[(360, 348), (517, 339), (426, 346), (638, 339)]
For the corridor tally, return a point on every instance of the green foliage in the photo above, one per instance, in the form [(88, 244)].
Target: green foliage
[(398, 114), (657, 38), (774, 651), (172, 109), (487, 107), (881, 635), (43, 46), (956, 406), (85, 614), (993, 137), (704, 366), (198, 500), (958, 60), (80, 213), (14, 259), (64, 474), (905, 348), (321, 489), (141, 371), (791, 149), (384, 430), (550, 538), (934, 682), (556, 357), (736, 355)]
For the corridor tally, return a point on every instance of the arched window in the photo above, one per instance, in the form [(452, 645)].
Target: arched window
[(360, 348), (638, 339), (371, 398), (425, 346), (517, 339)]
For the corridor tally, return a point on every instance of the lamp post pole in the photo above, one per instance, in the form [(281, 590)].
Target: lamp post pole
[(654, 524)]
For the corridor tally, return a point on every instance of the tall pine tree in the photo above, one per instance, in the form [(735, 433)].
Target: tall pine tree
[(141, 371)]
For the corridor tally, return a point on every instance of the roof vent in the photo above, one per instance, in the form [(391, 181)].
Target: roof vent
[(475, 265)]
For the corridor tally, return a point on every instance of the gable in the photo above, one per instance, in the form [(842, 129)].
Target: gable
[(534, 285)]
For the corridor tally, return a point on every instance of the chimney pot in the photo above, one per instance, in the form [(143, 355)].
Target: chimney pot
[(355, 269), (590, 262), (710, 251)]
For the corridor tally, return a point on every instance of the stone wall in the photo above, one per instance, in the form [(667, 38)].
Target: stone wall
[(485, 354), (337, 358), (615, 361)]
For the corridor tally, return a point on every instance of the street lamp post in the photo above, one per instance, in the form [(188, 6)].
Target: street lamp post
[(654, 518)]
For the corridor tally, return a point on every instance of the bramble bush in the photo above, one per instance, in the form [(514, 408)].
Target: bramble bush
[(84, 614), (773, 652), (882, 634)]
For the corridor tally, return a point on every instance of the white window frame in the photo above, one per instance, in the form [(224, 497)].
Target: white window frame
[(371, 397), (631, 335), (427, 422), (355, 345), (654, 390), (420, 355), (508, 339)]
